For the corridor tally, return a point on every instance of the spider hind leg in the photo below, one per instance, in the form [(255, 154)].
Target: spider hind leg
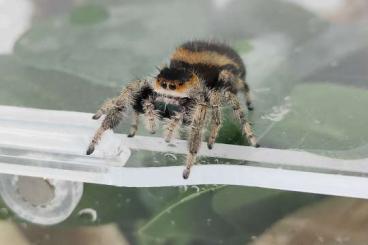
[(215, 100), (244, 88), (231, 77), (233, 100)]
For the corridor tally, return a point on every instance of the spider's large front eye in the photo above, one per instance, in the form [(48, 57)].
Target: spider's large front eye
[(164, 85), (172, 86)]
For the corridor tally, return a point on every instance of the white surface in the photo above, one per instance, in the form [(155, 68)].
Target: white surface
[(15, 18), (52, 144)]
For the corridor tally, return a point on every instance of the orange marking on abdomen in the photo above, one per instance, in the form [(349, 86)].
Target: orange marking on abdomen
[(203, 57)]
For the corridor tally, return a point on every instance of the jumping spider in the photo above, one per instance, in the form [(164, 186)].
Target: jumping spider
[(201, 78)]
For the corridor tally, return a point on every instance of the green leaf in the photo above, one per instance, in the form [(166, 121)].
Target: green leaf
[(221, 215), (322, 116), (243, 46), (249, 210), (27, 86), (244, 196), (89, 14), (191, 217), (112, 204), (114, 42)]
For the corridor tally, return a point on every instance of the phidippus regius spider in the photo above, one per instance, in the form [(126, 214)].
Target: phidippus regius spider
[(201, 78)]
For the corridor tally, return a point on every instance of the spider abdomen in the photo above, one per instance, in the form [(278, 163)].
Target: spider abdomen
[(207, 60)]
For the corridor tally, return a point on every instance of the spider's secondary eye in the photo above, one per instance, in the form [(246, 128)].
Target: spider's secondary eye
[(172, 86), (164, 85)]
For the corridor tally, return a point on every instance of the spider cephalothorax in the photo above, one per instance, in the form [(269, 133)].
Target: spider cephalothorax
[(201, 78), (176, 82)]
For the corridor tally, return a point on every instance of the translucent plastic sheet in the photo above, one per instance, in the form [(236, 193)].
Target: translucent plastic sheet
[(51, 144)]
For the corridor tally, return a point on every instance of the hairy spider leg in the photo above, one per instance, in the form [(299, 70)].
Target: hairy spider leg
[(172, 126), (150, 115), (233, 100), (114, 109), (134, 125), (195, 136), (244, 88), (215, 100), (231, 76)]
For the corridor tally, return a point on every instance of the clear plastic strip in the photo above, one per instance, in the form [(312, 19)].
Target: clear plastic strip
[(51, 144)]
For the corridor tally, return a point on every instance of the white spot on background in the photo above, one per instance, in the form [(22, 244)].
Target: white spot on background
[(15, 19), (320, 6), (274, 46), (89, 212), (171, 156), (221, 3), (279, 112)]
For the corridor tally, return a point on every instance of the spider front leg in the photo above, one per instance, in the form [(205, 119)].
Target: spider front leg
[(150, 114), (215, 100), (114, 109), (233, 100), (111, 120), (173, 125), (106, 107), (134, 125), (195, 136)]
